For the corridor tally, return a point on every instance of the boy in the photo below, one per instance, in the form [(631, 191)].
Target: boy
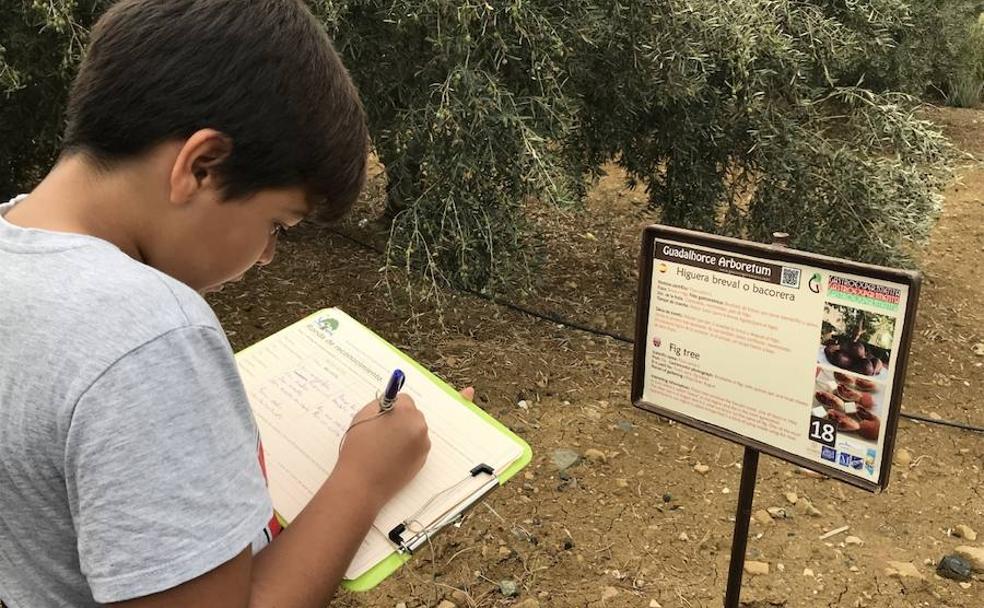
[(130, 469)]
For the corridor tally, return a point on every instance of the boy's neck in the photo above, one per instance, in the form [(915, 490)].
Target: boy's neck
[(77, 198)]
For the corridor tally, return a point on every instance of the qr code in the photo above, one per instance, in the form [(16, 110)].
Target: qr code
[(790, 277)]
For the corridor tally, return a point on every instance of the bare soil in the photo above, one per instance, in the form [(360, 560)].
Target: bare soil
[(641, 527)]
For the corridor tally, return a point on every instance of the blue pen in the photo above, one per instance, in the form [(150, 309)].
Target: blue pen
[(392, 388)]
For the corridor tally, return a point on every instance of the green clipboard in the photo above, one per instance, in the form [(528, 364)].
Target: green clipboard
[(391, 564)]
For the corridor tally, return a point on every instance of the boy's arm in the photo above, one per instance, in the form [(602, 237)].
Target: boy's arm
[(304, 565)]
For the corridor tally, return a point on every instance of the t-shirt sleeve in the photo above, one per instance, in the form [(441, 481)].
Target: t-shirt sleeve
[(161, 465)]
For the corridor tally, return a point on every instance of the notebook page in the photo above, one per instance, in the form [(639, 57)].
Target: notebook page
[(306, 382)]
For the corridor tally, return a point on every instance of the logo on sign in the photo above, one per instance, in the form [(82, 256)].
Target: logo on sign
[(845, 460), (828, 453)]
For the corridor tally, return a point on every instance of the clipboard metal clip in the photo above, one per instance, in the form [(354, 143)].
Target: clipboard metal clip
[(454, 517)]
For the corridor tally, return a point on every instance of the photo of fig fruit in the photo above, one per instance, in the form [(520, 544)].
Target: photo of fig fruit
[(829, 400), (845, 423), (843, 379), (864, 384), (856, 340), (869, 425), (864, 367)]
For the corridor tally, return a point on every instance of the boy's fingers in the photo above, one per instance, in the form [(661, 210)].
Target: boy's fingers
[(468, 393)]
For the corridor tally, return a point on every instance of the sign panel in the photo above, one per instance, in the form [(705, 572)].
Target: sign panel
[(797, 355)]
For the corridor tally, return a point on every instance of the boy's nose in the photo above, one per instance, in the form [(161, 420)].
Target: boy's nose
[(267, 256)]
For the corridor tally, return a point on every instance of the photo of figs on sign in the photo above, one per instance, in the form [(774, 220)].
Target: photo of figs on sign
[(853, 403), (856, 340)]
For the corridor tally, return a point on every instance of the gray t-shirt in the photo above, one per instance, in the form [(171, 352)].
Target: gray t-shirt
[(128, 452)]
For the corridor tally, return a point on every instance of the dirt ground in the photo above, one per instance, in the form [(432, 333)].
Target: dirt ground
[(640, 527)]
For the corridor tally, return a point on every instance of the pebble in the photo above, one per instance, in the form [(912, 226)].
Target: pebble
[(935, 416), (778, 513), (667, 497), (447, 604), (754, 568), (508, 588), (853, 540), (903, 570), (854, 569), (654, 604), (762, 516), (974, 555), (564, 458), (791, 498), (523, 405), (401, 605), (594, 455), (608, 593), (683, 536), (978, 349), (808, 572), (903, 457), (625, 426), (702, 468), (954, 567), (504, 553), (965, 585), (965, 532), (622, 483), (528, 603), (809, 508), (460, 597), (725, 490)]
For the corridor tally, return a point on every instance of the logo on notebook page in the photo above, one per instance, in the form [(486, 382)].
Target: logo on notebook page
[(327, 324)]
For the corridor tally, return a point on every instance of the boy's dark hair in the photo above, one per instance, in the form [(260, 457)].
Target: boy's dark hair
[(263, 72)]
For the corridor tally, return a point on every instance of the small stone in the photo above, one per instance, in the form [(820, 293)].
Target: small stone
[(954, 567), (726, 490), (778, 513), (568, 543), (978, 349), (667, 497), (974, 555), (854, 569), (594, 455), (401, 605), (459, 597), (965, 585), (903, 570), (853, 540), (754, 568), (508, 588), (935, 416), (654, 604), (608, 593), (762, 516), (528, 475), (523, 404), (564, 458), (702, 468), (683, 536), (781, 567), (967, 532), (622, 483), (528, 603), (504, 553), (808, 572), (625, 426), (447, 604), (809, 508), (791, 498), (903, 457)]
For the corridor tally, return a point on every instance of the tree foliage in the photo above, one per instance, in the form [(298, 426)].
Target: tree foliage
[(738, 117)]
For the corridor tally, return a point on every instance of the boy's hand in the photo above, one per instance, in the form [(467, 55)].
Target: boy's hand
[(387, 452)]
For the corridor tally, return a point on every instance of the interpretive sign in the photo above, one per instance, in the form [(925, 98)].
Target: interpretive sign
[(796, 355)]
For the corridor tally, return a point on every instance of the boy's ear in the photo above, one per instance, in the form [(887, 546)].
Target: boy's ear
[(195, 166)]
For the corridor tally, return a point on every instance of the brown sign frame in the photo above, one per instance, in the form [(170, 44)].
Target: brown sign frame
[(910, 279)]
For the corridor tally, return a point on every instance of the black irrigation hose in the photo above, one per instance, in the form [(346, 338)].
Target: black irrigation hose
[(555, 318)]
